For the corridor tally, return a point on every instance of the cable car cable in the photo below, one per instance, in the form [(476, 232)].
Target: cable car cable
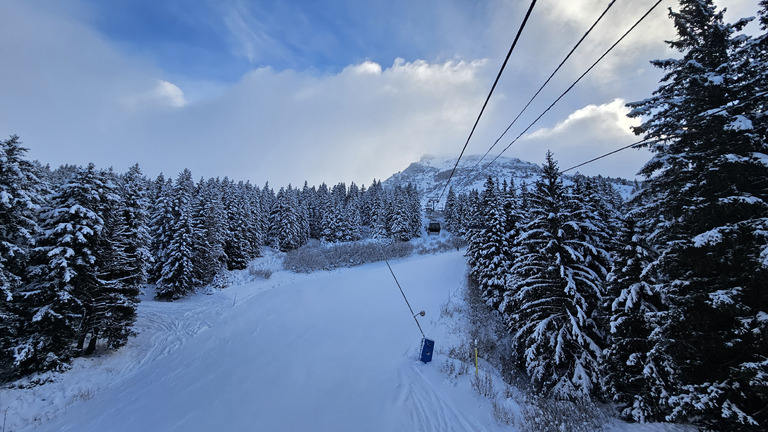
[(648, 141), (545, 83), (519, 32), (574, 83)]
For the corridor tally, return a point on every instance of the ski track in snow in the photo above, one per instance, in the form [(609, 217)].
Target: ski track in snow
[(429, 410)]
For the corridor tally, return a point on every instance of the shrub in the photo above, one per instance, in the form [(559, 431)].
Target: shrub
[(309, 258), (543, 414)]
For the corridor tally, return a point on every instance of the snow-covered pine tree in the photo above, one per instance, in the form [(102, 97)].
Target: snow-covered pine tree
[(488, 253), (708, 183), (58, 302), (400, 215), (634, 374), (239, 247), (250, 230), (451, 211), (118, 269), (379, 215), (414, 209), (20, 200), (209, 223), (134, 225), (177, 276), (321, 205), (551, 303), (284, 223), (303, 216), (159, 225), (354, 227), (333, 224)]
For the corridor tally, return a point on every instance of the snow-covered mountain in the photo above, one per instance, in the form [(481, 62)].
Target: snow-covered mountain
[(431, 173)]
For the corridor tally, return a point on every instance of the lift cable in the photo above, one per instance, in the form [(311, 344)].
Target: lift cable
[(654, 140), (574, 83), (519, 32), (557, 69)]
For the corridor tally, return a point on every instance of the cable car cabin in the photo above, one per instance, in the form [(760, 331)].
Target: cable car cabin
[(433, 228)]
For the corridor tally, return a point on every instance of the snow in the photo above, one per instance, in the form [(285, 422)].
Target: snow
[(708, 238), (739, 123), (327, 351), (762, 158)]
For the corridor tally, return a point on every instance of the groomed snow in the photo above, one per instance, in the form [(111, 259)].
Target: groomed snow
[(330, 351)]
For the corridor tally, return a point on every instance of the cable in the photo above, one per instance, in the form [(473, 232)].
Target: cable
[(646, 141), (605, 155), (545, 84), (574, 83), (519, 32), (401, 292)]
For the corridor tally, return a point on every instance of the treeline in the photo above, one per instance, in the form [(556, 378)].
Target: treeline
[(78, 244), (659, 305)]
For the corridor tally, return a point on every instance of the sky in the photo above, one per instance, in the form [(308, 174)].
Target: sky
[(322, 90)]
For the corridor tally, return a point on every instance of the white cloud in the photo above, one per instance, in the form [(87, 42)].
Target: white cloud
[(608, 119), (73, 98), (169, 93), (65, 90), (587, 133), (367, 68)]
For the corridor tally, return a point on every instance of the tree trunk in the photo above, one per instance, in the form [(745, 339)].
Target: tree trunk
[(92, 343)]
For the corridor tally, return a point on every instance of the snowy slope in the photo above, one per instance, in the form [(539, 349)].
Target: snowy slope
[(330, 351)]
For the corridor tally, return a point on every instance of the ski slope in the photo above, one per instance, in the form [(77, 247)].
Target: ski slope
[(329, 351)]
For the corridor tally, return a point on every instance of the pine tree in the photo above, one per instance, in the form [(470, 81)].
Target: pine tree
[(707, 183), (452, 217), (133, 227), (177, 273), (634, 373), (284, 222), (58, 303), (20, 199), (209, 223), (400, 216), (554, 295), (120, 264), (488, 252), (160, 225), (235, 249)]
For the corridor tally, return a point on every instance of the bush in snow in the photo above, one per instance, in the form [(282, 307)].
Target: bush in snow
[(315, 257)]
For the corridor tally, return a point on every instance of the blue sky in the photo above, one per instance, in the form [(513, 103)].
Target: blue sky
[(287, 91)]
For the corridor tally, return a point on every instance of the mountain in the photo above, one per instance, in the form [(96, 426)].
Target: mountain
[(431, 173)]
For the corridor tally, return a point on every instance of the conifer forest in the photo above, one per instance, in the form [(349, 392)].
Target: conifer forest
[(655, 304)]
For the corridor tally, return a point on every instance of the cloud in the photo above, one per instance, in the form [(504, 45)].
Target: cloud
[(169, 93), (250, 37), (74, 98), (608, 119), (364, 122), (587, 133)]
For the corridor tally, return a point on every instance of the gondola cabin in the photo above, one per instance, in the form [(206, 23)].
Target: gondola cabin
[(433, 228)]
